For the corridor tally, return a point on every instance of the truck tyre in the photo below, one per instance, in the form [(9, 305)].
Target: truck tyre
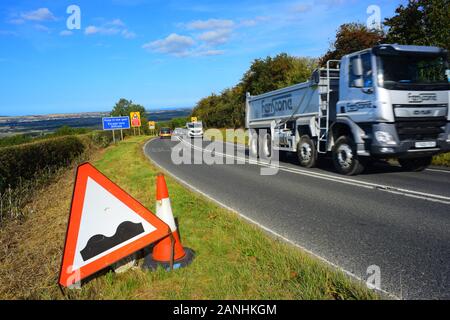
[(415, 165), (306, 152), (265, 146), (253, 145), (345, 157)]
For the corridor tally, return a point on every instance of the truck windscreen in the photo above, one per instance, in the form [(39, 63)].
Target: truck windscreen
[(413, 72)]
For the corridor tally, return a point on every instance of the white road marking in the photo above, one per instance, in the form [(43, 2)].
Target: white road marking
[(358, 183), (439, 170), (270, 231)]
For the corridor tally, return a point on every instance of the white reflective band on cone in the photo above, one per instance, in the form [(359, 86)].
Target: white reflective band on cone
[(164, 212)]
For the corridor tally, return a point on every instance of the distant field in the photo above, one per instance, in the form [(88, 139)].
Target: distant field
[(165, 115), (16, 126), (44, 124)]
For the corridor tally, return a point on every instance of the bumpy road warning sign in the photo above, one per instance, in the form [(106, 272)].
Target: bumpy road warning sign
[(106, 224), (135, 119)]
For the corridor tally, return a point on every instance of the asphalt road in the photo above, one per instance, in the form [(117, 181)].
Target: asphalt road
[(398, 221)]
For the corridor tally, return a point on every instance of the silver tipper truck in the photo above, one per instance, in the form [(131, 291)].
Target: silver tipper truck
[(390, 101)]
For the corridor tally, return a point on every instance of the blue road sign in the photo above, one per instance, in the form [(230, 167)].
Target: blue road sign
[(116, 123)]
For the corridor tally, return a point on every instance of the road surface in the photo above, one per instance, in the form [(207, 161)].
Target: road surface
[(398, 221)]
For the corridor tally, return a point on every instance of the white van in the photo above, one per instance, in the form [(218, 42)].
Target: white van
[(194, 129)]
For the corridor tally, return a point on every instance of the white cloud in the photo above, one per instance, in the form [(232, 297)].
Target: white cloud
[(210, 24), (66, 33), (42, 28), (91, 30), (253, 22), (211, 53), (114, 27), (128, 34), (16, 21), (301, 8), (215, 37), (210, 34), (174, 44), (117, 23), (41, 14)]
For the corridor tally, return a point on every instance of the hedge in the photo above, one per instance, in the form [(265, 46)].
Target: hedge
[(27, 160)]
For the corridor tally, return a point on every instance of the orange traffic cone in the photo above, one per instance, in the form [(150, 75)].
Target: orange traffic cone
[(168, 252)]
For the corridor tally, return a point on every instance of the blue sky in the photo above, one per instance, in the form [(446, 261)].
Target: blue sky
[(157, 53)]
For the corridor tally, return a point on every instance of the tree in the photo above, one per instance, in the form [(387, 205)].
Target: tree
[(228, 108), (352, 37), (124, 107), (421, 22), (274, 73)]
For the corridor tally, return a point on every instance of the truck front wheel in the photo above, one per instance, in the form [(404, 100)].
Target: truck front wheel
[(415, 165), (345, 157), (306, 152)]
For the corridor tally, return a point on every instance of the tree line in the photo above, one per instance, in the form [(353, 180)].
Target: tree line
[(419, 22)]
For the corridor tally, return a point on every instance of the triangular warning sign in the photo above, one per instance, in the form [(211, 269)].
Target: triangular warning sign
[(106, 224)]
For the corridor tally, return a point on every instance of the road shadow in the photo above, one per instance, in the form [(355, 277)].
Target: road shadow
[(326, 164)]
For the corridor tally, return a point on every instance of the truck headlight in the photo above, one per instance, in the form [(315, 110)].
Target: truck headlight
[(385, 138)]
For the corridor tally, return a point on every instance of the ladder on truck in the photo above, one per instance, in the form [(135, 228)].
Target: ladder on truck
[(328, 81)]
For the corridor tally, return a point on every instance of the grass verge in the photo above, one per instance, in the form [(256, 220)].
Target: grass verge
[(234, 260)]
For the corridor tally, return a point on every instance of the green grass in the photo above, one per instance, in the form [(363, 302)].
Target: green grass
[(442, 160), (234, 259), (240, 138)]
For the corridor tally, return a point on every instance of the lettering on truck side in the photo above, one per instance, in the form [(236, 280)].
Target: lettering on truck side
[(353, 107), (278, 104)]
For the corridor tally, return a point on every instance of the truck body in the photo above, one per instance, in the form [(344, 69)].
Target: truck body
[(390, 101), (194, 129)]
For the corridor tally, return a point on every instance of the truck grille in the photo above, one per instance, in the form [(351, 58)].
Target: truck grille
[(420, 105), (420, 129)]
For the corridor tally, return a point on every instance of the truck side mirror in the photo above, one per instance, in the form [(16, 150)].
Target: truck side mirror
[(316, 76), (357, 67)]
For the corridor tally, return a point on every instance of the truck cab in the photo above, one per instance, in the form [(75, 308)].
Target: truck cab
[(389, 101), (394, 99)]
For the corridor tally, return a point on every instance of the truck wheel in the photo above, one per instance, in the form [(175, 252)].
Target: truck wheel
[(253, 145), (415, 165), (306, 152), (345, 158), (266, 145)]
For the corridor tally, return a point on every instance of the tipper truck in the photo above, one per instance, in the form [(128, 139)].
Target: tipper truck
[(390, 101)]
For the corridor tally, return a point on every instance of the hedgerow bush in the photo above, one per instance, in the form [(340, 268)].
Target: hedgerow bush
[(23, 162), (101, 138)]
